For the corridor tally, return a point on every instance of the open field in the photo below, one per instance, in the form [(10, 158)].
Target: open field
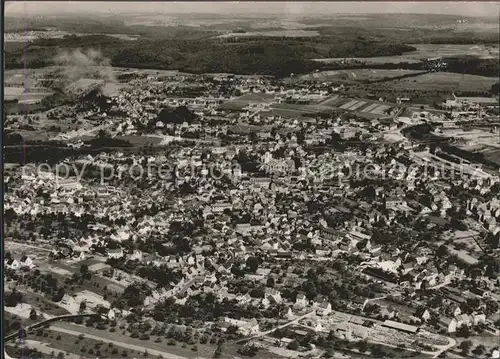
[(493, 156), (362, 107), (243, 101), (136, 345), (13, 93), (358, 105), (279, 33), (370, 60), (140, 141), (83, 85), (23, 97), (425, 51), (448, 50), (357, 74), (444, 81)]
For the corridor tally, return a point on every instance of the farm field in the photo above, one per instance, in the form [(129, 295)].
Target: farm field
[(285, 33), (370, 60), (358, 105), (357, 74), (12, 93), (22, 96), (243, 101), (444, 81), (83, 85), (446, 50), (363, 107), (425, 51), (493, 155)]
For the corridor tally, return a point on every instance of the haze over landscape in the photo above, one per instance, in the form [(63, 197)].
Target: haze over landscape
[(480, 8)]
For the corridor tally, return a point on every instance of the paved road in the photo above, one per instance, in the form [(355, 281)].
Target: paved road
[(261, 334), (442, 348), (372, 300), (117, 343)]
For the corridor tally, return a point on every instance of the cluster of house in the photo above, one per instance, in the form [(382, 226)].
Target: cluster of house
[(25, 262), (292, 200)]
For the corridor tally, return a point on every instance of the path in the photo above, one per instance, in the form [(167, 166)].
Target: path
[(117, 343), (442, 348), (372, 300)]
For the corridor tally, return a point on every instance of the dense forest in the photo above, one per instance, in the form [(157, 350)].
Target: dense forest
[(268, 56), (199, 50), (473, 66)]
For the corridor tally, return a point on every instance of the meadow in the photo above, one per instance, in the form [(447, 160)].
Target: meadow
[(357, 74), (444, 81), (425, 51)]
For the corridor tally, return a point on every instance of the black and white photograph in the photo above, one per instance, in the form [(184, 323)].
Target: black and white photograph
[(252, 179)]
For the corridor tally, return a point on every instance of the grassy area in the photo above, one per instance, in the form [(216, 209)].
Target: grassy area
[(181, 349), (444, 81), (16, 352), (493, 156), (445, 50), (43, 304), (79, 344), (139, 141), (357, 74)]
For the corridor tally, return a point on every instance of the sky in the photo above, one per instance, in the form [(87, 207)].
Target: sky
[(470, 8)]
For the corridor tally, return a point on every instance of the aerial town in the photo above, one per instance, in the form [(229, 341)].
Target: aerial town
[(338, 213)]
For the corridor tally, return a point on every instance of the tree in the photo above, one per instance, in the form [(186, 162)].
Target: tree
[(463, 331), (495, 89), (84, 271), (218, 351), (465, 346), (270, 282), (13, 298), (102, 134), (253, 137), (293, 345), (252, 264), (248, 350), (83, 307), (33, 314), (479, 350)]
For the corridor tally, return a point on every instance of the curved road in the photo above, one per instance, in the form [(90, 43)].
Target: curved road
[(261, 334)]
